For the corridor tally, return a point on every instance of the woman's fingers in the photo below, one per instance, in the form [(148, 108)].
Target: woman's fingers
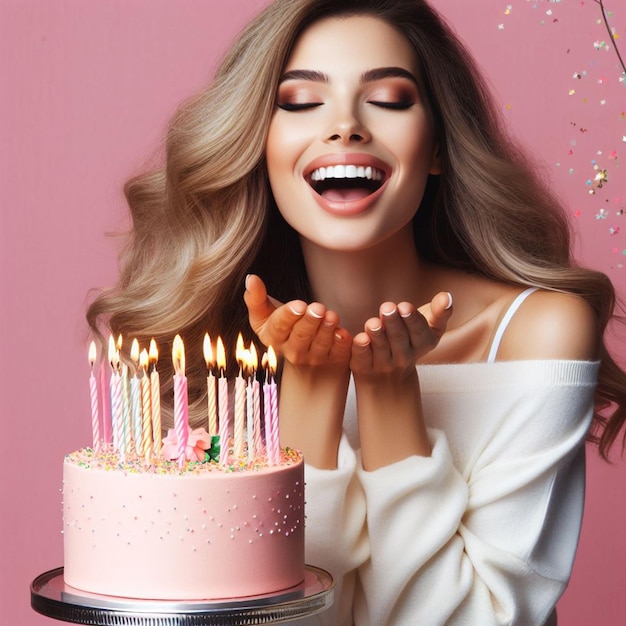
[(303, 334), (270, 320), (437, 313), (400, 335)]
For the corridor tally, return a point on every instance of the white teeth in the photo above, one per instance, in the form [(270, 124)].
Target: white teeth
[(346, 171)]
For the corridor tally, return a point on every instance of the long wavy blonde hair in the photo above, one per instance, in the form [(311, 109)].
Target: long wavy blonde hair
[(207, 218)]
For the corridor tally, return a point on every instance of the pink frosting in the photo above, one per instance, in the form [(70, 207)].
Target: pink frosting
[(197, 442)]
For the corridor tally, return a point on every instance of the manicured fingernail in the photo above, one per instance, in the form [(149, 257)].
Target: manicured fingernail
[(295, 311), (449, 301), (405, 315), (338, 336), (246, 281), (389, 313), (377, 329), (314, 314)]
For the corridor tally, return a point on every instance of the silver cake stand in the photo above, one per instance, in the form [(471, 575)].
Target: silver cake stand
[(50, 596)]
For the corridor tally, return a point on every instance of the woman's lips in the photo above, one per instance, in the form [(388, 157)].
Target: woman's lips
[(346, 184)]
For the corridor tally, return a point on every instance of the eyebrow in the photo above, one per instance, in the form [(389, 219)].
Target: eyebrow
[(378, 73)]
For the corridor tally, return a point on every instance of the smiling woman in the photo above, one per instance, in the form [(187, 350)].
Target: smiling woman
[(442, 358), (333, 118)]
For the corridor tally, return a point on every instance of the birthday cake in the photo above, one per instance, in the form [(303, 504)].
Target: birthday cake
[(197, 532), (195, 515)]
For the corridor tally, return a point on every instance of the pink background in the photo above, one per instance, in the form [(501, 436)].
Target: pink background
[(86, 89)]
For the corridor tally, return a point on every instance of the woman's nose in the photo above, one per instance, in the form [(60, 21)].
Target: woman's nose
[(347, 129)]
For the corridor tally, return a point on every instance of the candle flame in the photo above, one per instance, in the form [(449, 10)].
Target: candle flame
[(271, 359), (240, 351), (221, 356), (254, 359), (207, 349), (114, 356), (119, 343), (92, 353), (178, 355), (154, 352), (134, 352), (144, 360)]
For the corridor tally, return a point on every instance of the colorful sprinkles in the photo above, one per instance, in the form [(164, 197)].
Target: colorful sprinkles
[(109, 459)]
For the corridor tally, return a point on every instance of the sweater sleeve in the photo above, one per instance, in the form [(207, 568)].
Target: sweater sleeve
[(336, 537), (491, 539)]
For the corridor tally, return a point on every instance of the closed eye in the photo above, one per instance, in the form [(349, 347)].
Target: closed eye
[(396, 106), (292, 106)]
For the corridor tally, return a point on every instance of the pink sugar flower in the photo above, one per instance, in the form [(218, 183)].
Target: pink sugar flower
[(197, 442)]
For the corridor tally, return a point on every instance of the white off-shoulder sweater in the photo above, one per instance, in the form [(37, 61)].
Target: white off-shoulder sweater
[(481, 533)]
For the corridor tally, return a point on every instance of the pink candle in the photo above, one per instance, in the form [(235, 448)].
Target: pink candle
[(257, 446), (256, 399), (250, 418), (93, 389), (116, 399), (274, 453), (223, 402), (155, 397), (181, 402), (267, 412), (210, 382), (240, 399)]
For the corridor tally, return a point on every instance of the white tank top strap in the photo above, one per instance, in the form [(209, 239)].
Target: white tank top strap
[(508, 316)]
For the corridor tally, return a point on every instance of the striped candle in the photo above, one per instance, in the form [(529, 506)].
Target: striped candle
[(240, 399), (93, 389), (222, 385), (135, 397), (273, 455), (155, 397), (181, 401), (115, 385), (210, 382), (146, 407)]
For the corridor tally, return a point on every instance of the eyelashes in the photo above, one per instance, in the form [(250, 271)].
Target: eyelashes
[(402, 105), (292, 106)]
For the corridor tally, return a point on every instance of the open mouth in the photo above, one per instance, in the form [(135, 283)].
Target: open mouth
[(346, 183)]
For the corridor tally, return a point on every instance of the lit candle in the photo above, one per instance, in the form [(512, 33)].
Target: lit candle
[(146, 407), (93, 389), (222, 384), (250, 403), (116, 398), (155, 396), (135, 397), (267, 414), (240, 399), (106, 405), (124, 434), (256, 399), (126, 410), (181, 406), (210, 381), (274, 439)]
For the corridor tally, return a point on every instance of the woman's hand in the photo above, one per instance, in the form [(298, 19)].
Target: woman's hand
[(384, 356), (392, 343), (315, 372), (306, 335)]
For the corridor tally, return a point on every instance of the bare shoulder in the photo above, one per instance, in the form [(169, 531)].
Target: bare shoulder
[(551, 325)]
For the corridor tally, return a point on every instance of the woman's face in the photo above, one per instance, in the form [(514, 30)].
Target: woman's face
[(351, 143)]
